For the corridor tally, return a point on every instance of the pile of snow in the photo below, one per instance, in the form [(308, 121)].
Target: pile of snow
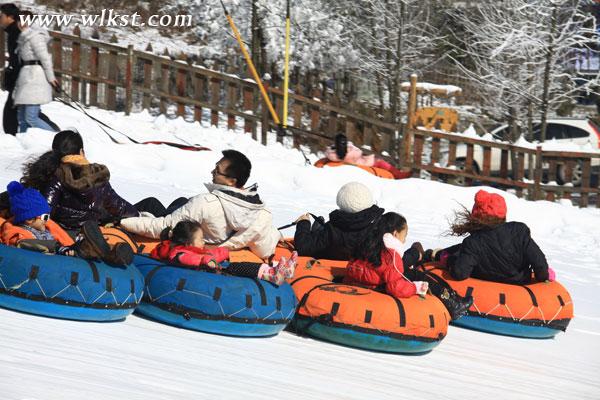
[(46, 359)]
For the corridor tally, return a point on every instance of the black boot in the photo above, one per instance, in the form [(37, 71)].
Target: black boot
[(120, 255), (93, 245), (457, 306)]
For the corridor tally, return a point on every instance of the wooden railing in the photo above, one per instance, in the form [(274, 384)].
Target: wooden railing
[(115, 77), (454, 158), (121, 78)]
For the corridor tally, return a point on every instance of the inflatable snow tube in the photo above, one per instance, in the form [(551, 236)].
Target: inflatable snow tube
[(213, 303), (380, 172), (67, 287), (363, 318), (139, 244), (538, 310)]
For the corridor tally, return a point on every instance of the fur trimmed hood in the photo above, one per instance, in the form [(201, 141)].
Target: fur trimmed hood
[(82, 178)]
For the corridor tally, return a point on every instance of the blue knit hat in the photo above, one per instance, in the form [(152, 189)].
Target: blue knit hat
[(25, 203)]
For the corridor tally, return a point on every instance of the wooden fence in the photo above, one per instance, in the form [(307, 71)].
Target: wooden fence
[(121, 78), (455, 157)]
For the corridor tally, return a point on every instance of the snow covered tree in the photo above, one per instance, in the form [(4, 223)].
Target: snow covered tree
[(315, 38), (394, 38), (520, 53)]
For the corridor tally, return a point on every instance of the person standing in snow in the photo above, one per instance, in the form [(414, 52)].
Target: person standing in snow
[(381, 261), (346, 228), (36, 76), (231, 216), (346, 151), (495, 250)]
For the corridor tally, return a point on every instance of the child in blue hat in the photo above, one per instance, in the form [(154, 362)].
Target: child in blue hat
[(31, 211)]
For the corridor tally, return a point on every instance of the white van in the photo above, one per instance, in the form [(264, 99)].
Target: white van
[(562, 131)]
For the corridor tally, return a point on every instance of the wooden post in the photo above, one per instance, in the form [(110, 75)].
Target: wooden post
[(75, 64), (57, 56), (410, 124), (148, 67), (315, 115), (585, 182), (297, 108), (435, 156), (504, 164), (129, 81), (111, 92), (215, 95), (248, 107), (520, 172), (164, 83), (232, 98), (537, 176), (94, 64), (469, 163), (180, 83), (487, 161), (198, 95)]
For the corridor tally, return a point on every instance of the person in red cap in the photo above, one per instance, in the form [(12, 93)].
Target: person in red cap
[(495, 250)]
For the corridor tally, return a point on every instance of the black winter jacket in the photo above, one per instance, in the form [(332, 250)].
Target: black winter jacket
[(336, 239), (79, 193), (506, 253), (14, 65)]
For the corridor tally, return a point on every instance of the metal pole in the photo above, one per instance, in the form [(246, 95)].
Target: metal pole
[(251, 66)]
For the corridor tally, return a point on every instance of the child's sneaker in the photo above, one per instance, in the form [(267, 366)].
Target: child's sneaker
[(288, 268), (274, 275)]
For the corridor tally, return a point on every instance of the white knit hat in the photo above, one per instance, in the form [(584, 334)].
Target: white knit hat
[(354, 197)]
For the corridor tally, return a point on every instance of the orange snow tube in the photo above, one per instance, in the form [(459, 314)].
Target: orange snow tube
[(139, 244), (359, 317), (537, 310), (380, 172)]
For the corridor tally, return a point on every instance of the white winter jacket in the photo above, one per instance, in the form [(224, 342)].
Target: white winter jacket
[(230, 217), (33, 85)]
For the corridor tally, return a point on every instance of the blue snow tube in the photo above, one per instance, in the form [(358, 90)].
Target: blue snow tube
[(67, 287), (209, 302)]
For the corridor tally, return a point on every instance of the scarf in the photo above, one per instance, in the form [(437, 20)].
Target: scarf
[(77, 159)]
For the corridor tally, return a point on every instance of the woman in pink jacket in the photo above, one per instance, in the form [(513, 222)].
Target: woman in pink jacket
[(184, 246), (378, 262)]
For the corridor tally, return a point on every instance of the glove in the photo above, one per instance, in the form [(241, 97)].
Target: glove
[(551, 274), (422, 287)]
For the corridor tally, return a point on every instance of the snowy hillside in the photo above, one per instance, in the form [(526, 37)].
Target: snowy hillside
[(138, 359)]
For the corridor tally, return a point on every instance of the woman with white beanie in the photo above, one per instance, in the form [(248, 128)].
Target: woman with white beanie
[(346, 228), (36, 77)]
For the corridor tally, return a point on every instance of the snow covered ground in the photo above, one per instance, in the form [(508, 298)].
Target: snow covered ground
[(47, 359)]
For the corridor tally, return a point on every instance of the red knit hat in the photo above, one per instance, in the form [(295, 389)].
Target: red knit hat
[(489, 205)]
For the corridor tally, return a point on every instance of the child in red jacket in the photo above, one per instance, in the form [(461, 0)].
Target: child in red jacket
[(186, 247), (379, 262)]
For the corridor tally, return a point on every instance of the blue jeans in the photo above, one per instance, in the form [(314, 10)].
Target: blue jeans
[(29, 117)]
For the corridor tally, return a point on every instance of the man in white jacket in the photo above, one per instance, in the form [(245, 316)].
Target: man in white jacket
[(231, 216)]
